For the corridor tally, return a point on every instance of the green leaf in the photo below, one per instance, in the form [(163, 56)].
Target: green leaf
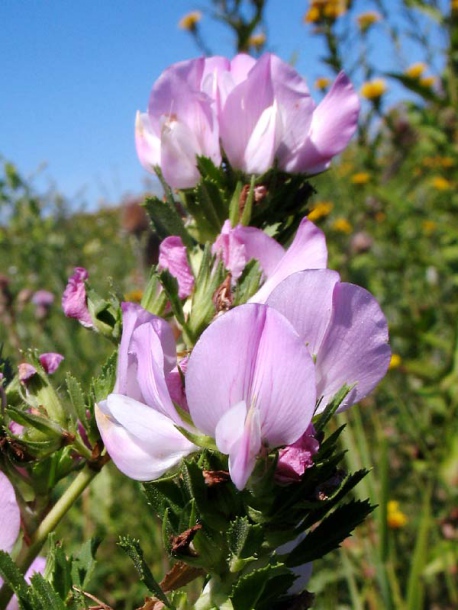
[(10, 574), (249, 589), (42, 593), (332, 407), (245, 540), (77, 397), (329, 534), (170, 285), (84, 562), (134, 551), (166, 220)]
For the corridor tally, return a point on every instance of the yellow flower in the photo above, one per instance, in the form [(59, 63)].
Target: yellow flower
[(380, 216), (342, 225), (322, 82), (257, 40), (320, 210), (429, 226), (441, 184), (395, 517), (320, 10), (428, 81), (190, 21), (360, 178), (134, 296), (312, 15), (395, 362), (365, 20), (415, 70), (454, 5), (374, 89)]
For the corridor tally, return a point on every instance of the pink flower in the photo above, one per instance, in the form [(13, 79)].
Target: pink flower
[(74, 299), (10, 523), (173, 257), (237, 246), (261, 112), (138, 420)]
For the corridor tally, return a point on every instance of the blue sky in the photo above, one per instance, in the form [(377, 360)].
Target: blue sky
[(74, 72)]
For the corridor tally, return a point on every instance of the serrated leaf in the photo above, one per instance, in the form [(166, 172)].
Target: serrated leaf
[(104, 383), (166, 220), (59, 568), (84, 562), (134, 551), (77, 397), (41, 592), (329, 534), (170, 285), (249, 589), (245, 540), (10, 574)]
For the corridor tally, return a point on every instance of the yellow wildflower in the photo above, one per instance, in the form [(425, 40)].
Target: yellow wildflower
[(190, 21), (374, 89), (415, 70), (320, 10), (322, 82), (380, 216), (395, 362), (257, 40), (134, 296), (441, 184), (341, 225), (320, 210), (454, 5), (365, 20), (395, 517), (429, 226), (312, 15), (360, 178), (428, 81)]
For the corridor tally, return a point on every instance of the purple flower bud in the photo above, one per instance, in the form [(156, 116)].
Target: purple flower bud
[(74, 299), (50, 362), (43, 298)]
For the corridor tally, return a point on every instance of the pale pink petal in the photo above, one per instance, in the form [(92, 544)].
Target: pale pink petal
[(355, 348), (242, 111), (294, 459), (173, 257), (241, 357), (133, 316), (147, 349), (143, 443), (148, 143), (243, 454), (333, 124), (305, 299), (10, 516), (179, 148), (307, 251), (237, 246)]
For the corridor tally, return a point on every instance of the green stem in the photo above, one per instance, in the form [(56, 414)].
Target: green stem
[(49, 524)]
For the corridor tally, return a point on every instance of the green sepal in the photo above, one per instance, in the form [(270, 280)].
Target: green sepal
[(332, 407), (201, 440), (43, 596)]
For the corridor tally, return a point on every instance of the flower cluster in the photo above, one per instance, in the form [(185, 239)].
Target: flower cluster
[(258, 374), (195, 105)]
